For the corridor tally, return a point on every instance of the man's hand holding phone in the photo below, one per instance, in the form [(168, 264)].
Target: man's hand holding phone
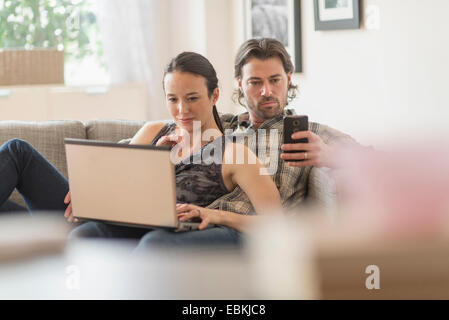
[(302, 147)]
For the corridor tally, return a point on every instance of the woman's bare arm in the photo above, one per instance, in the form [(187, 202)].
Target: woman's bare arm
[(247, 173), (147, 133)]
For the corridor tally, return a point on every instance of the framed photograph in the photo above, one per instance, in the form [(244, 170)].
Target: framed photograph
[(336, 14), (279, 19)]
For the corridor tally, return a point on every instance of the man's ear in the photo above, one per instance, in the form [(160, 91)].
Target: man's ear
[(239, 83)]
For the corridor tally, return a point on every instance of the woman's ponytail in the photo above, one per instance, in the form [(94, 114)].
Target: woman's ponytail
[(217, 119)]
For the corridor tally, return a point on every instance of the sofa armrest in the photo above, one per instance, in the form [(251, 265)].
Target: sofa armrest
[(322, 190)]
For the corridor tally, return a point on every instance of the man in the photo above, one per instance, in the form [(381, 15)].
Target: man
[(263, 70)]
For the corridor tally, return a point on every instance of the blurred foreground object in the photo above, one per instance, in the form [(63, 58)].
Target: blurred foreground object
[(391, 238), (107, 269), (282, 260), (353, 263), (23, 236), (25, 67), (404, 193)]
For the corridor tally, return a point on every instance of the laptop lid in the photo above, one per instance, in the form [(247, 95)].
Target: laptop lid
[(130, 184)]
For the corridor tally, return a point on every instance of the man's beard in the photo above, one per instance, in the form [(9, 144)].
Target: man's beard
[(266, 113)]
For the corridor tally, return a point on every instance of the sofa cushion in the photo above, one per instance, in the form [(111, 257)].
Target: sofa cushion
[(47, 137), (112, 130)]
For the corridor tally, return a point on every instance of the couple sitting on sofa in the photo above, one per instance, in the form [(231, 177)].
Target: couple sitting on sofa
[(228, 191)]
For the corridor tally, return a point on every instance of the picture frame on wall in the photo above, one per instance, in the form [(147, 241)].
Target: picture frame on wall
[(279, 19), (336, 14)]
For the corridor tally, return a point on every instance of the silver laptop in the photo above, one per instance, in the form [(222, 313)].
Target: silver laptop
[(132, 185)]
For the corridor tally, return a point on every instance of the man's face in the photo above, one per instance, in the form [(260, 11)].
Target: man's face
[(264, 84)]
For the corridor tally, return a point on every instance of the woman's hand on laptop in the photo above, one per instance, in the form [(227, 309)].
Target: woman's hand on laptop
[(68, 211), (189, 211), (237, 221)]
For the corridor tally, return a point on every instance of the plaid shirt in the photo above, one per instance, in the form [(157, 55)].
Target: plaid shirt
[(290, 181)]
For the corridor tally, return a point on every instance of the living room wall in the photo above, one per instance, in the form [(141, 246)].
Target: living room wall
[(373, 83), (383, 84), (204, 26)]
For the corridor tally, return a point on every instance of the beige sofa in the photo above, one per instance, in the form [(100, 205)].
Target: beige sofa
[(48, 138)]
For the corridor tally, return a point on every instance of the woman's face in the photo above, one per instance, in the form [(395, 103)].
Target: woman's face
[(187, 99)]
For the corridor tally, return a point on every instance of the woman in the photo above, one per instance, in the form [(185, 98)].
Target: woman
[(191, 90)]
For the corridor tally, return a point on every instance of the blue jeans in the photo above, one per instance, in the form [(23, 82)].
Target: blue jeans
[(218, 236), (10, 206), (44, 188), (156, 238), (41, 185)]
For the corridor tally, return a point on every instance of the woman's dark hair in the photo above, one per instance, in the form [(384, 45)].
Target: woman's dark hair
[(195, 63)]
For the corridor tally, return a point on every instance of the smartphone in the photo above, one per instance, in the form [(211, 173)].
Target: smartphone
[(293, 124)]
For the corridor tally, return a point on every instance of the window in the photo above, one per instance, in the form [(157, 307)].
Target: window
[(69, 25)]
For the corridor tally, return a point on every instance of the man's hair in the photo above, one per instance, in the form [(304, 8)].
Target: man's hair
[(262, 49)]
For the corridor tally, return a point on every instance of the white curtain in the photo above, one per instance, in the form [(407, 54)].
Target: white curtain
[(135, 39)]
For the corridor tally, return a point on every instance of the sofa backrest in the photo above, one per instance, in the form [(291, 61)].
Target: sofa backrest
[(48, 137), (112, 130)]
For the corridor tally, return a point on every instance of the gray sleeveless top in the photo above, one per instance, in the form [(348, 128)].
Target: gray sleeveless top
[(198, 177)]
